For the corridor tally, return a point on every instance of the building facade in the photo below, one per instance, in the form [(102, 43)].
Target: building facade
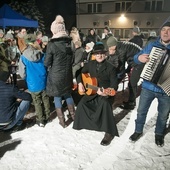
[(122, 15)]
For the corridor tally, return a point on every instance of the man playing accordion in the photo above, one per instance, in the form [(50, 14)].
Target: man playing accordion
[(151, 90)]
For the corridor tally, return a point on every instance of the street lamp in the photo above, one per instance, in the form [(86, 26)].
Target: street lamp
[(122, 18)]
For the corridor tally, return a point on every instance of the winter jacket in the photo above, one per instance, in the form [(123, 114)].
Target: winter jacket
[(5, 61), (151, 39), (8, 104), (147, 84), (125, 52), (86, 56), (32, 69), (78, 56), (92, 38), (105, 73), (59, 59), (137, 39)]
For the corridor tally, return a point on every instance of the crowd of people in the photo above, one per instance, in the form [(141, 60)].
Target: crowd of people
[(51, 66)]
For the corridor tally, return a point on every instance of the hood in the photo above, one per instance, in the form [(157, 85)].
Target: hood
[(158, 43), (32, 54)]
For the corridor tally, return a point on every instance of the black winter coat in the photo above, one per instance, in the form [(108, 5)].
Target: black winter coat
[(92, 38), (95, 112), (125, 52), (106, 76), (137, 39), (59, 59)]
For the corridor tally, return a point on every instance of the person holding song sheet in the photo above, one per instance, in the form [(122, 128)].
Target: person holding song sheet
[(94, 111), (152, 90)]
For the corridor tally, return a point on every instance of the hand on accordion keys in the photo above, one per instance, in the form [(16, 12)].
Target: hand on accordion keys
[(144, 58)]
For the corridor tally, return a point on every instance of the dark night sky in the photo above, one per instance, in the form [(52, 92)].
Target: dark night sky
[(66, 8), (51, 8)]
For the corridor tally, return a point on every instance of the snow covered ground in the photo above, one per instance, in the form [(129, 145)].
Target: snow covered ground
[(55, 148)]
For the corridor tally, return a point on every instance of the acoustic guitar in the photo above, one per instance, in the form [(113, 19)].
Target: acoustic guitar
[(90, 84)]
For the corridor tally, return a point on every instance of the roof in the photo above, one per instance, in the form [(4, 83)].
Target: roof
[(9, 17)]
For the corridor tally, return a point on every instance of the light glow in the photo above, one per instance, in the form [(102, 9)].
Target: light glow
[(122, 18)]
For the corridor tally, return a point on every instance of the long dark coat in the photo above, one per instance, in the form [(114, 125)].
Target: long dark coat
[(95, 112), (59, 58)]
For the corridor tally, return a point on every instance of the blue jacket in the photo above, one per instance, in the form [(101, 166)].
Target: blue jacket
[(146, 84), (32, 69)]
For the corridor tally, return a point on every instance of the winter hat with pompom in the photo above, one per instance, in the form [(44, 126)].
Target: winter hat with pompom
[(58, 27)]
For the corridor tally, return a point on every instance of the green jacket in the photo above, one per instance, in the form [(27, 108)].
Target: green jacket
[(4, 61)]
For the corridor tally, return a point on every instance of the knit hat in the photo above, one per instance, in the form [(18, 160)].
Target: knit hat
[(44, 39), (99, 47), (166, 24), (10, 31), (112, 41), (152, 34), (91, 45), (58, 27), (78, 43), (8, 36), (136, 30), (30, 38), (1, 31), (59, 19)]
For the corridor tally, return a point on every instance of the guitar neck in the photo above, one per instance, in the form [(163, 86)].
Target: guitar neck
[(92, 87), (108, 91)]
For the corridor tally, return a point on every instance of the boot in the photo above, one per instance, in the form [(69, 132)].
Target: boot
[(61, 118), (129, 105), (71, 110), (107, 139)]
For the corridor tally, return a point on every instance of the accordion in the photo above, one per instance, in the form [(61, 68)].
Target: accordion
[(157, 70)]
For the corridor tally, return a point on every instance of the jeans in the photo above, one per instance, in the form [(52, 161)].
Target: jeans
[(58, 100), (42, 105), (19, 115), (163, 108)]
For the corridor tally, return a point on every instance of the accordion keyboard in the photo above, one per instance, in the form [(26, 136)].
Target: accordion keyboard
[(151, 66)]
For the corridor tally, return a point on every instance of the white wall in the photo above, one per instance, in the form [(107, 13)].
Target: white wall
[(86, 21)]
